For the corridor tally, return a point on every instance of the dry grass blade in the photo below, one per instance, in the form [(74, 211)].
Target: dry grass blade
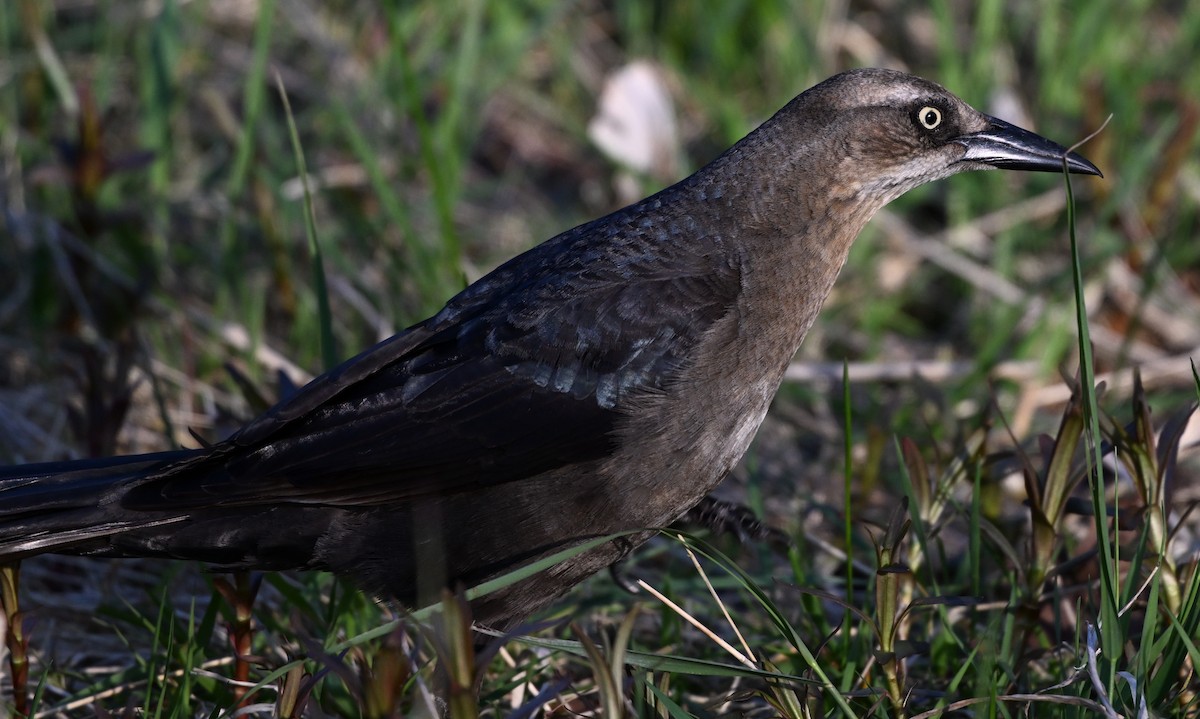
[(690, 619), (717, 599)]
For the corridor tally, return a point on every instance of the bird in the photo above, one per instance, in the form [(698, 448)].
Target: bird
[(601, 383)]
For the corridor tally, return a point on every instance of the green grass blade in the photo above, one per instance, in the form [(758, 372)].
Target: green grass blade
[(329, 353)]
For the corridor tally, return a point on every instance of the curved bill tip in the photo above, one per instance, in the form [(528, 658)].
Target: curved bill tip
[(1009, 147)]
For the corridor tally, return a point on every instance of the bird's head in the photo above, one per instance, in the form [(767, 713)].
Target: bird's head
[(886, 132)]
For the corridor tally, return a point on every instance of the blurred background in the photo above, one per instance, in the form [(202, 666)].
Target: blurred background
[(157, 274)]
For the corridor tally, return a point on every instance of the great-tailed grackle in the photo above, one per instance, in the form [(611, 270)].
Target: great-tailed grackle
[(603, 381)]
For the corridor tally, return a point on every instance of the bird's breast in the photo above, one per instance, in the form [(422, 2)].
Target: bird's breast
[(675, 445)]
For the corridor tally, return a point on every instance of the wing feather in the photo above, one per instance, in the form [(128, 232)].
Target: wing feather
[(524, 372)]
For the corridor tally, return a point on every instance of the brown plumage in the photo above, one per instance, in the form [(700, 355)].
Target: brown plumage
[(605, 380)]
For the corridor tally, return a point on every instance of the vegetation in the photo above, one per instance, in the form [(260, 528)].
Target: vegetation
[(972, 526)]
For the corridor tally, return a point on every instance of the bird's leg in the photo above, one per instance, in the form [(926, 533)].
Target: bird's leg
[(14, 637), (723, 517), (719, 517), (616, 572)]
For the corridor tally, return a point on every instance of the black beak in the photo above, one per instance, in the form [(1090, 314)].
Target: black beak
[(1007, 146)]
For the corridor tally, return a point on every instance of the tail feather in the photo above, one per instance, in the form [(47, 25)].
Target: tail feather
[(75, 506), (78, 539)]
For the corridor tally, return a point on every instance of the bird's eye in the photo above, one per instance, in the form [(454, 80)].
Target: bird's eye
[(929, 117)]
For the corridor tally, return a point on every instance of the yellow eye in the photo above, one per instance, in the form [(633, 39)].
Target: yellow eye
[(929, 117)]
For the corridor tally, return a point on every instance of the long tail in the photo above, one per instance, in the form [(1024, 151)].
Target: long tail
[(75, 506)]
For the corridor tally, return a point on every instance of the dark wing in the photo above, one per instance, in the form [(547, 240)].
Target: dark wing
[(525, 371)]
